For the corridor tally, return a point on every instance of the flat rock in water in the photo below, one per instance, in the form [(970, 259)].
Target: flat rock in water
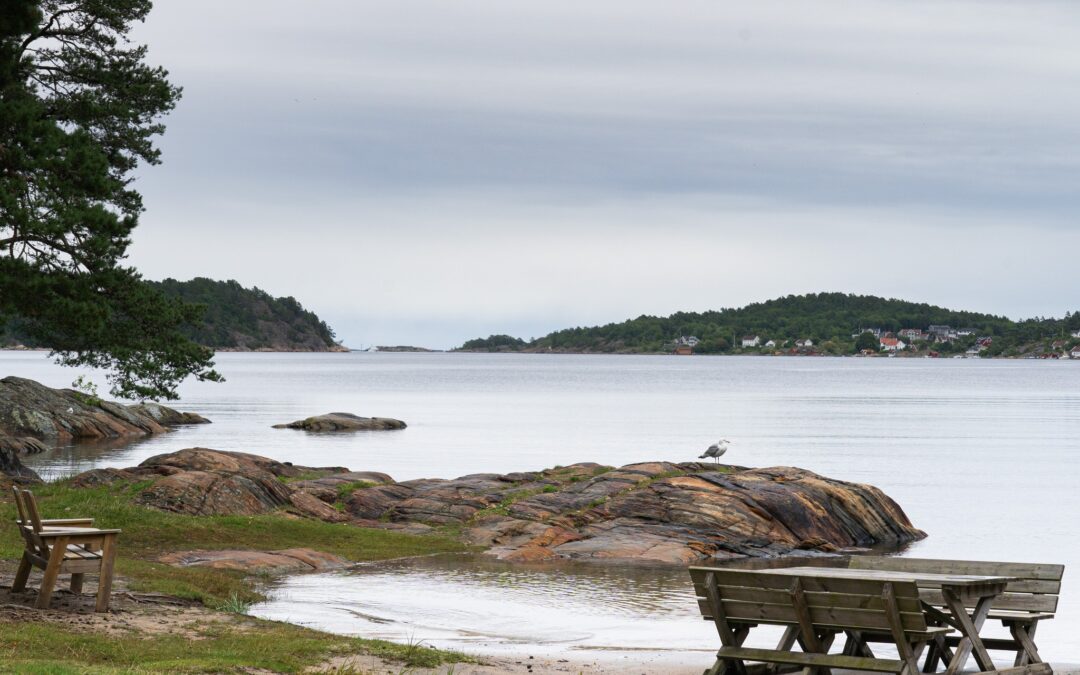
[(274, 562), (29, 409), (340, 421)]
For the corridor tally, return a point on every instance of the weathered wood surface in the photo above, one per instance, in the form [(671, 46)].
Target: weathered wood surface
[(58, 548), (815, 610), (1031, 596)]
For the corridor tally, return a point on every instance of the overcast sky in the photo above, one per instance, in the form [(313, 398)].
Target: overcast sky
[(425, 172)]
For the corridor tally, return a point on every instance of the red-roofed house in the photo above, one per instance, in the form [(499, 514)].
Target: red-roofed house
[(892, 344)]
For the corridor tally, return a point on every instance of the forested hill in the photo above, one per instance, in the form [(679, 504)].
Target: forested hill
[(250, 319), (238, 319), (830, 320)]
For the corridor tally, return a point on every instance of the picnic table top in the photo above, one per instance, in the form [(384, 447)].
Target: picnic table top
[(925, 578)]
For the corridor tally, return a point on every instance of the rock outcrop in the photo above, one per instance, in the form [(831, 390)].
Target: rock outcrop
[(654, 512), (166, 416), (204, 482), (12, 470), (29, 409), (340, 421), (271, 562)]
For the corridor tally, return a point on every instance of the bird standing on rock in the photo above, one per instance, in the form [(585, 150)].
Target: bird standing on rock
[(716, 449)]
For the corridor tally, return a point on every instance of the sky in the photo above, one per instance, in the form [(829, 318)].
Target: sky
[(424, 172)]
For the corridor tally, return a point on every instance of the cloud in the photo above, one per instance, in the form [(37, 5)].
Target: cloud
[(418, 171)]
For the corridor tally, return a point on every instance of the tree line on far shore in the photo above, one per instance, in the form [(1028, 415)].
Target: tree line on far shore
[(832, 321)]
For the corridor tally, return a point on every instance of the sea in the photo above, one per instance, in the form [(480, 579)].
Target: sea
[(984, 455)]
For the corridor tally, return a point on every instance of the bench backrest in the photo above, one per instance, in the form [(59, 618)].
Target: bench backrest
[(29, 521), (1035, 590), (749, 597)]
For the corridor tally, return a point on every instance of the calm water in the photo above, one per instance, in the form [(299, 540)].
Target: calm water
[(983, 455)]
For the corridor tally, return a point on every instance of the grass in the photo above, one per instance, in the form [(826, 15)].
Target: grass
[(148, 533), (34, 647), (345, 490), (239, 643)]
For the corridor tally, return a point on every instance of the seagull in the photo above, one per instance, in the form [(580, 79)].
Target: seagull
[(716, 449)]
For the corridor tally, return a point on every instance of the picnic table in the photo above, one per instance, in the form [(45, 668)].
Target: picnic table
[(958, 590)]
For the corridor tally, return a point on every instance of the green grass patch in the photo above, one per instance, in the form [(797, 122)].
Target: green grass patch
[(35, 647), (149, 533), (345, 490), (314, 474)]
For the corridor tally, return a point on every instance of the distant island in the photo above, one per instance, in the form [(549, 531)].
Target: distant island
[(236, 319), (814, 324)]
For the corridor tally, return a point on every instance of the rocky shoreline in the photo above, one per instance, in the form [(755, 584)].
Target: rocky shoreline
[(652, 513), (34, 418)]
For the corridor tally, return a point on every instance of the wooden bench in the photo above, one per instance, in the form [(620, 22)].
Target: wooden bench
[(63, 546), (1032, 598), (814, 611)]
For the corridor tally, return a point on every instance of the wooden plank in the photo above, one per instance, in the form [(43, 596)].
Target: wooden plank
[(1031, 652), (896, 629), (1023, 617), (52, 570), (852, 584), (1040, 571), (923, 579), (1027, 602), (970, 627), (19, 505), (1033, 669), (23, 573), (802, 617), (31, 510), (108, 560), (756, 612), (821, 660), (817, 599)]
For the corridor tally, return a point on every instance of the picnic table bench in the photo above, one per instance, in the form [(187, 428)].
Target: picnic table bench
[(817, 604), (63, 546), (814, 610), (1029, 598)]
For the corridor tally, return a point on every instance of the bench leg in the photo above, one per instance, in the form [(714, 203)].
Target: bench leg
[(76, 583), (971, 625), (938, 651), (1027, 652), (856, 645), (52, 571), (105, 575), (19, 585), (723, 666)]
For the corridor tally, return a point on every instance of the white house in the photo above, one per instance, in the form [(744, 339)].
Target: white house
[(807, 343), (751, 341), (1076, 333), (688, 340), (892, 344), (770, 343)]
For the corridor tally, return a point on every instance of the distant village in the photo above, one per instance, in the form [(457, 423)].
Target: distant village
[(930, 342)]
